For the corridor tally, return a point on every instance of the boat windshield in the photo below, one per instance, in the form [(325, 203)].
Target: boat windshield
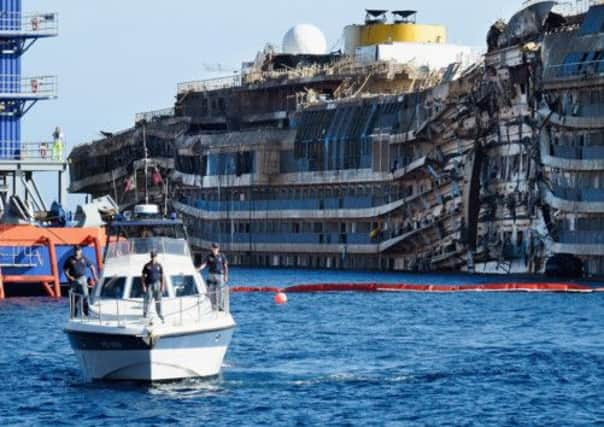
[(162, 245), (113, 288), (184, 286), (147, 229), (136, 289)]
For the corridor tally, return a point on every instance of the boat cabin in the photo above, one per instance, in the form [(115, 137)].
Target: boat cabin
[(128, 248)]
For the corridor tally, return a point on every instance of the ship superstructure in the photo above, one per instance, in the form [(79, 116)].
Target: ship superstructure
[(571, 140), (402, 152)]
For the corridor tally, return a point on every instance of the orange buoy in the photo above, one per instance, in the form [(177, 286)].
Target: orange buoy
[(280, 298)]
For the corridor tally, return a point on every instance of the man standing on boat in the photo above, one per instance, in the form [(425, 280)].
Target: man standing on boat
[(218, 275), (75, 271), (153, 285)]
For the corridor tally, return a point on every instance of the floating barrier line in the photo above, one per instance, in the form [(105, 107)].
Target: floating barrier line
[(379, 287)]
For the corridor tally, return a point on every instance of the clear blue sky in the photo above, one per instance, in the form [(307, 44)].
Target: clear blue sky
[(115, 58)]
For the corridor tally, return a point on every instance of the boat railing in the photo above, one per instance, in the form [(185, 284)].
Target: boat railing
[(76, 305), (121, 310)]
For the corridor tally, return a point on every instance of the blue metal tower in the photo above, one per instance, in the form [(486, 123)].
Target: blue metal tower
[(19, 160)]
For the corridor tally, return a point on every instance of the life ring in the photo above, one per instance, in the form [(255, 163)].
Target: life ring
[(35, 85), (35, 23)]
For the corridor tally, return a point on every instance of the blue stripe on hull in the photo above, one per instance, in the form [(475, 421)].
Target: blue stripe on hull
[(116, 342)]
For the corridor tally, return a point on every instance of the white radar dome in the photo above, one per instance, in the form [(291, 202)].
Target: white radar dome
[(304, 39)]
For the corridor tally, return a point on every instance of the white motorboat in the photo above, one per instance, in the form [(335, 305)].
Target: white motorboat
[(115, 342)]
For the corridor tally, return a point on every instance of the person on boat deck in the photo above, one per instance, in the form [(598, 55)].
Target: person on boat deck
[(75, 271), (153, 285), (218, 274)]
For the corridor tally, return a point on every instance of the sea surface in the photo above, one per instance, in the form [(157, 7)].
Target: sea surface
[(336, 359)]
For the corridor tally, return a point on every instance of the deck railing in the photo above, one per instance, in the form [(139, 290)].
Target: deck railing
[(209, 84), (575, 70), (148, 116), (120, 310)]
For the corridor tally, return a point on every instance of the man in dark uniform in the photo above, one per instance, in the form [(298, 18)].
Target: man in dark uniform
[(153, 285), (75, 271), (218, 275)]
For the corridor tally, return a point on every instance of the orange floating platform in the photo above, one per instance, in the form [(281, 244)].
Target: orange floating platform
[(35, 255)]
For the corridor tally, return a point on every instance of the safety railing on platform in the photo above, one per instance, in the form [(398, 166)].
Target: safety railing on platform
[(28, 87), (155, 114), (37, 151), (209, 84), (37, 24), (120, 310)]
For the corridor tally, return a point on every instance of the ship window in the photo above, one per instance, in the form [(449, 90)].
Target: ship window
[(113, 288), (594, 21), (571, 64), (184, 286)]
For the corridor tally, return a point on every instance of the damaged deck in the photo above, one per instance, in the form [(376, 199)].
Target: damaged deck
[(496, 167)]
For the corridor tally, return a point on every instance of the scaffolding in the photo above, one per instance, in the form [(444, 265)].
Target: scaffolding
[(18, 94)]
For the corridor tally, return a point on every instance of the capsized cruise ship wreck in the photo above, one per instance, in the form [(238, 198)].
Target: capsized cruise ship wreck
[(398, 152)]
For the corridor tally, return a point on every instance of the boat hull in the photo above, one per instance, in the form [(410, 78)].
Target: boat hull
[(115, 357)]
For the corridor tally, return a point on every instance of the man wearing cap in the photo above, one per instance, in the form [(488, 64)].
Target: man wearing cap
[(75, 271), (218, 275), (153, 285)]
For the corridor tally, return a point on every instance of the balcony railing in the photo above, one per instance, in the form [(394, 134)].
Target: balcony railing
[(38, 87), (575, 70), (209, 84), (578, 152), (592, 237), (584, 195), (33, 151), (37, 24), (152, 115)]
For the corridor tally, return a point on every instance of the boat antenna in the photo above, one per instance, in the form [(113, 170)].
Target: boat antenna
[(146, 164)]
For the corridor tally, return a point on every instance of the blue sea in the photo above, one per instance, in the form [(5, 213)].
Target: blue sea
[(336, 359)]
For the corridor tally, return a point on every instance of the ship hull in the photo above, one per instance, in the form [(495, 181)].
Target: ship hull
[(114, 357)]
